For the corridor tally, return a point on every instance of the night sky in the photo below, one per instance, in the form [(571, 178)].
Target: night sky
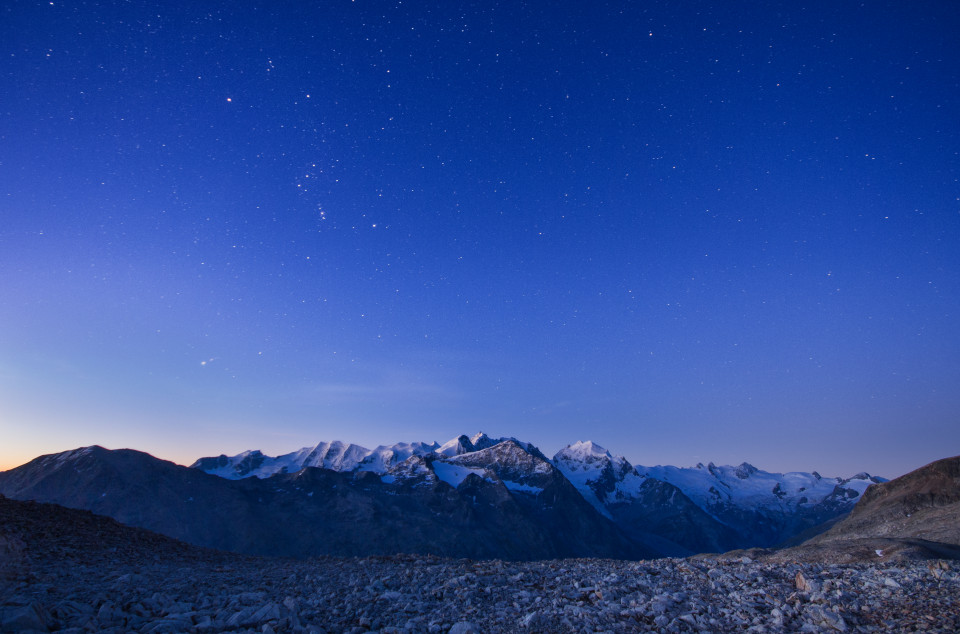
[(688, 231)]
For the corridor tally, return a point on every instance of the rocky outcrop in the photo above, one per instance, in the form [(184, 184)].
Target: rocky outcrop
[(923, 504)]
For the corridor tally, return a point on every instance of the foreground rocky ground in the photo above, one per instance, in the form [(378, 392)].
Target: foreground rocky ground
[(63, 570)]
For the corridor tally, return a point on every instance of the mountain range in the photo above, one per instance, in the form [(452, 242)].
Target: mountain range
[(704, 508), (475, 497)]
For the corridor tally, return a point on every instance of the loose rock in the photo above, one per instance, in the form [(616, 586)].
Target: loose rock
[(94, 583)]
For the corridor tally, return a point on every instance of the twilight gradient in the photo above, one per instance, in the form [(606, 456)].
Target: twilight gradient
[(688, 231)]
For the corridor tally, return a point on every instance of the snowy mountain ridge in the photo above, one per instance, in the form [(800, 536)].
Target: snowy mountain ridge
[(606, 478), (601, 476), (724, 506), (340, 456), (472, 496), (754, 504)]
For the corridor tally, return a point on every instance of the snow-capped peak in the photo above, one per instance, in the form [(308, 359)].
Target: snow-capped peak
[(478, 442), (455, 447), (585, 451), (481, 441), (591, 459)]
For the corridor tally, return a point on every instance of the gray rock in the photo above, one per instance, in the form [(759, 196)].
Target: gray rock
[(825, 619), (24, 618), (426, 594), (241, 618)]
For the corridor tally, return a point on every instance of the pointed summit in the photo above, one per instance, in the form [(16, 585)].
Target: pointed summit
[(596, 473), (481, 441), (585, 450), (456, 447)]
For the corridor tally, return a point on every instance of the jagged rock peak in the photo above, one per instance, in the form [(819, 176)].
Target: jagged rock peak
[(456, 447), (745, 470), (414, 469), (464, 444), (508, 452), (507, 446), (481, 441)]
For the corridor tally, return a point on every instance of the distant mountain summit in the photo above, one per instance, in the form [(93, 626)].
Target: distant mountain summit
[(473, 496)]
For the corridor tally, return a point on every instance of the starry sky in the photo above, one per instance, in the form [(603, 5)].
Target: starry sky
[(689, 231)]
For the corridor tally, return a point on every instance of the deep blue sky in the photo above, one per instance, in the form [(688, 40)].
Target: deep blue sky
[(688, 231)]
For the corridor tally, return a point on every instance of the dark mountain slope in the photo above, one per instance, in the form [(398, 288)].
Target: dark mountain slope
[(923, 504), (38, 531), (915, 516), (134, 488)]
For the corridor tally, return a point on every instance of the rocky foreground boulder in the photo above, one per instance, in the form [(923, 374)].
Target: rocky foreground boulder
[(73, 571)]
